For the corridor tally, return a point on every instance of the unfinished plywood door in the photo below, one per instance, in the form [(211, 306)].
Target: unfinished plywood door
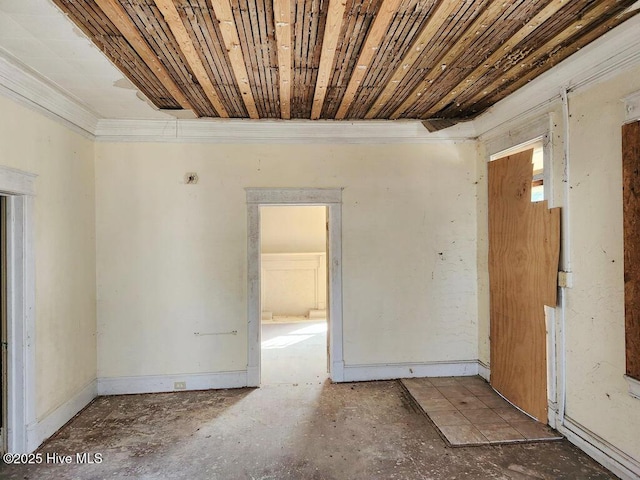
[(524, 249)]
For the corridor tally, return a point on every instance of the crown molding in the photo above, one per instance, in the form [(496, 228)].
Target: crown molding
[(20, 83), (606, 57), (244, 131)]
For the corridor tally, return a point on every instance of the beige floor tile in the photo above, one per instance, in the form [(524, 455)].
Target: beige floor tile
[(480, 389), (416, 382), (466, 403), (500, 433), (451, 391), (511, 414), (443, 381), (436, 404), (425, 393), (463, 435), (483, 416), (448, 418), (532, 430), (494, 401)]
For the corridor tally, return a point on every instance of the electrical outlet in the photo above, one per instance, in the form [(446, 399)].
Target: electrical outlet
[(179, 385)]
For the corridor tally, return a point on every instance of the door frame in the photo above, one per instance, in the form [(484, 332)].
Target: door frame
[(332, 199), (19, 188)]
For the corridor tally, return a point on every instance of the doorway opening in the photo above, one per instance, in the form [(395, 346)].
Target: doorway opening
[(293, 294), (329, 199)]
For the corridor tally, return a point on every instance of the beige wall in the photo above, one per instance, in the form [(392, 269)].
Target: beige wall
[(172, 257), (293, 229), (64, 248)]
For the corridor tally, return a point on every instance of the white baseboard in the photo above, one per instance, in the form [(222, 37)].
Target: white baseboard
[(165, 383), (611, 457), (484, 370), (44, 428), (388, 371)]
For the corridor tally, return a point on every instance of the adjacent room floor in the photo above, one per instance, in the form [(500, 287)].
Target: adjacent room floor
[(309, 431)]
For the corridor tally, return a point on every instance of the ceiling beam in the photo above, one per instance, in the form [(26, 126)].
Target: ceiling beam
[(229, 30), (372, 44), (490, 63), (483, 22), (515, 73), (331, 32), (172, 17), (119, 17), (434, 22), (282, 17)]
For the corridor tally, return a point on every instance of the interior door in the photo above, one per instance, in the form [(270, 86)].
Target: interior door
[(524, 249)]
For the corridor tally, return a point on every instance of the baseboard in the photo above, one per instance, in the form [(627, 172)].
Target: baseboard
[(611, 457), (44, 428), (166, 383), (484, 370), (388, 371)]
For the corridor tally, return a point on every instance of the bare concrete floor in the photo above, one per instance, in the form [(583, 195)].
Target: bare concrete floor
[(310, 431)]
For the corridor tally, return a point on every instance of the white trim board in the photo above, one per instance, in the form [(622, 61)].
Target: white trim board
[(165, 383), (26, 87), (19, 187), (390, 371), (265, 131), (632, 107), (621, 464), (43, 429)]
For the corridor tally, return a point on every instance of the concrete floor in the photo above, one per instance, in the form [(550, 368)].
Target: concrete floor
[(294, 353), (309, 431), (297, 426)]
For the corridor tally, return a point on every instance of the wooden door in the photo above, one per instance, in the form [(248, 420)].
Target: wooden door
[(524, 249)]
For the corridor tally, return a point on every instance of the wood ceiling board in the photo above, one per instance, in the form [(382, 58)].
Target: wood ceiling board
[(97, 26), (405, 25), (362, 63), (207, 35), (172, 17), (371, 47), (489, 63), (434, 23), (160, 38), (358, 17), (535, 63), (451, 29), (332, 29), (282, 15), (548, 63), (119, 17), (224, 15), (482, 23), (255, 23), (309, 21)]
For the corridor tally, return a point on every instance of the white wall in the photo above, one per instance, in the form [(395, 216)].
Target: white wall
[(171, 257), (64, 249), (597, 394), (597, 399)]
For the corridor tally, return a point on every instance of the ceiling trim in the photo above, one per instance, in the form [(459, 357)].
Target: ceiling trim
[(244, 131), (26, 87)]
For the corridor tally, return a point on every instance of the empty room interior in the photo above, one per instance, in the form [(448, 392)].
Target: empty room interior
[(320, 239)]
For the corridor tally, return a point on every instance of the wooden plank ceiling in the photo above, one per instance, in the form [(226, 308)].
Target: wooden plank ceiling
[(437, 60)]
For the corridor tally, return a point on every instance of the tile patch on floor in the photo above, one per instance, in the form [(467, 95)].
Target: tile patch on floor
[(467, 411)]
